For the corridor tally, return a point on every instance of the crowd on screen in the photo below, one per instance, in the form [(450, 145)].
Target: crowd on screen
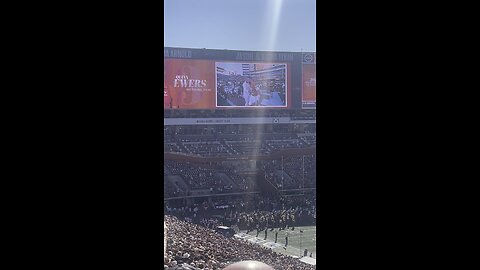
[(236, 89), (245, 91)]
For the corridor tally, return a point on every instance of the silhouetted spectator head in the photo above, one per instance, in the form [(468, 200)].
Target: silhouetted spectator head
[(248, 265)]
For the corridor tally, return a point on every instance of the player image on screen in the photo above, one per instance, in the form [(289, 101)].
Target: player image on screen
[(251, 84)]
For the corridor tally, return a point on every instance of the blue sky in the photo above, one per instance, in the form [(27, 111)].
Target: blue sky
[(257, 25)]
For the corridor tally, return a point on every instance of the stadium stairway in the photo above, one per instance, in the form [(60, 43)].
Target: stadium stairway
[(286, 177), (230, 150), (263, 184), (226, 180), (180, 145), (177, 182), (268, 186), (167, 171), (303, 139)]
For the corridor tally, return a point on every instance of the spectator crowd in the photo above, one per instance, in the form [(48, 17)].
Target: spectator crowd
[(296, 172), (203, 248)]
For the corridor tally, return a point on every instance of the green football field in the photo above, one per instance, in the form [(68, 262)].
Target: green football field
[(297, 242)]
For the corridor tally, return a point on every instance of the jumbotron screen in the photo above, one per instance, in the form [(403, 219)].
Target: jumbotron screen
[(251, 85), (223, 79)]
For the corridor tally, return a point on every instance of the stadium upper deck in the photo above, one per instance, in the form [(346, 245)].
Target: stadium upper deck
[(238, 121)]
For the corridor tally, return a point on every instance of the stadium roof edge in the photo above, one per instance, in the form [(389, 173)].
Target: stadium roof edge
[(183, 48)]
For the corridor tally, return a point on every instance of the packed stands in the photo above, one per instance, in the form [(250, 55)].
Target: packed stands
[(192, 240), (202, 247), (240, 144)]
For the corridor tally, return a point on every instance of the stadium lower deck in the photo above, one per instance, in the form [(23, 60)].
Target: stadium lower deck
[(200, 247), (246, 175)]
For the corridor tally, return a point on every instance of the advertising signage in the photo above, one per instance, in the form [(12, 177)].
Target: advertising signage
[(309, 81), (189, 84)]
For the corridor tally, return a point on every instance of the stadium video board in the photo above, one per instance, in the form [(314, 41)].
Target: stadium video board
[(309, 81), (227, 79), (209, 84), (247, 84)]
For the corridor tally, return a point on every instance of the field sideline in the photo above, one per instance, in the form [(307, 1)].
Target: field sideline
[(297, 242)]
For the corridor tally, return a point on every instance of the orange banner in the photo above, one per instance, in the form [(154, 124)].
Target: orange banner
[(189, 84), (309, 84)]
